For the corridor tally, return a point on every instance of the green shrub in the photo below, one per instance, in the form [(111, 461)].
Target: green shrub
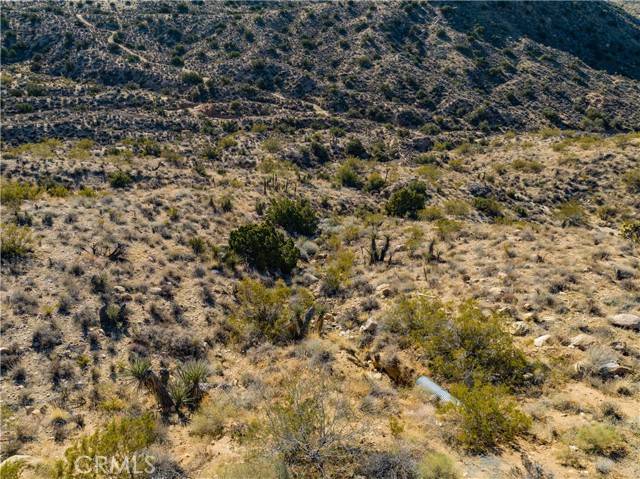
[(632, 180), (119, 441), (191, 78), (295, 216), (15, 243), (338, 272), (408, 200), (459, 343), (119, 179), (198, 245), (488, 207), (349, 175), (631, 230), (12, 193), (12, 469), (570, 213), (431, 213), (527, 166), (264, 247), (436, 465), (430, 172), (375, 182), (310, 428), (601, 439), (456, 207), (355, 148), (274, 313), (485, 418)]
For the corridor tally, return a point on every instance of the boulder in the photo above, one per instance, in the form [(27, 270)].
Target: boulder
[(626, 320), (520, 328), (582, 341), (369, 327), (541, 340)]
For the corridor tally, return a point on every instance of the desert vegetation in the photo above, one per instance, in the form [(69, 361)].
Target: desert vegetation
[(235, 236)]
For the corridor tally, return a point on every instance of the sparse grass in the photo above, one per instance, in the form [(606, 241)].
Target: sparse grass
[(602, 439), (436, 465), (571, 213), (631, 180), (455, 207)]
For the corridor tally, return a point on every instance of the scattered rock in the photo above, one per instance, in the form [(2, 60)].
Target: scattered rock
[(520, 328), (626, 320), (582, 341), (613, 369), (541, 340), (369, 327)]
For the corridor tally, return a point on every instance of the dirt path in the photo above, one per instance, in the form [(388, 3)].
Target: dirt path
[(110, 40)]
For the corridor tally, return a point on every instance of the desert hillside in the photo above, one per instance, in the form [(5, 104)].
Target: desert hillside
[(389, 240)]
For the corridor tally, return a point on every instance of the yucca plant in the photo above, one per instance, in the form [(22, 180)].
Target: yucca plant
[(142, 374), (192, 375), (180, 393)]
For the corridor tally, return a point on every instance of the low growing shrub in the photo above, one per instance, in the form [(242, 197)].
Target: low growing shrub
[(119, 179), (295, 216), (485, 418), (275, 313), (264, 247), (460, 343), (118, 441), (16, 242), (408, 200)]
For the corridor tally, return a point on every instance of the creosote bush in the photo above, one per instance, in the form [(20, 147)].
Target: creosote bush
[(408, 200), (295, 216), (631, 230), (16, 242), (485, 418), (436, 465), (276, 313), (264, 247), (349, 173), (460, 343), (310, 429), (488, 207)]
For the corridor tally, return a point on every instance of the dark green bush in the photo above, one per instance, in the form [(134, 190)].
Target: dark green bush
[(488, 207), (264, 247), (191, 78), (348, 173), (119, 179), (295, 216), (408, 200), (354, 148)]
